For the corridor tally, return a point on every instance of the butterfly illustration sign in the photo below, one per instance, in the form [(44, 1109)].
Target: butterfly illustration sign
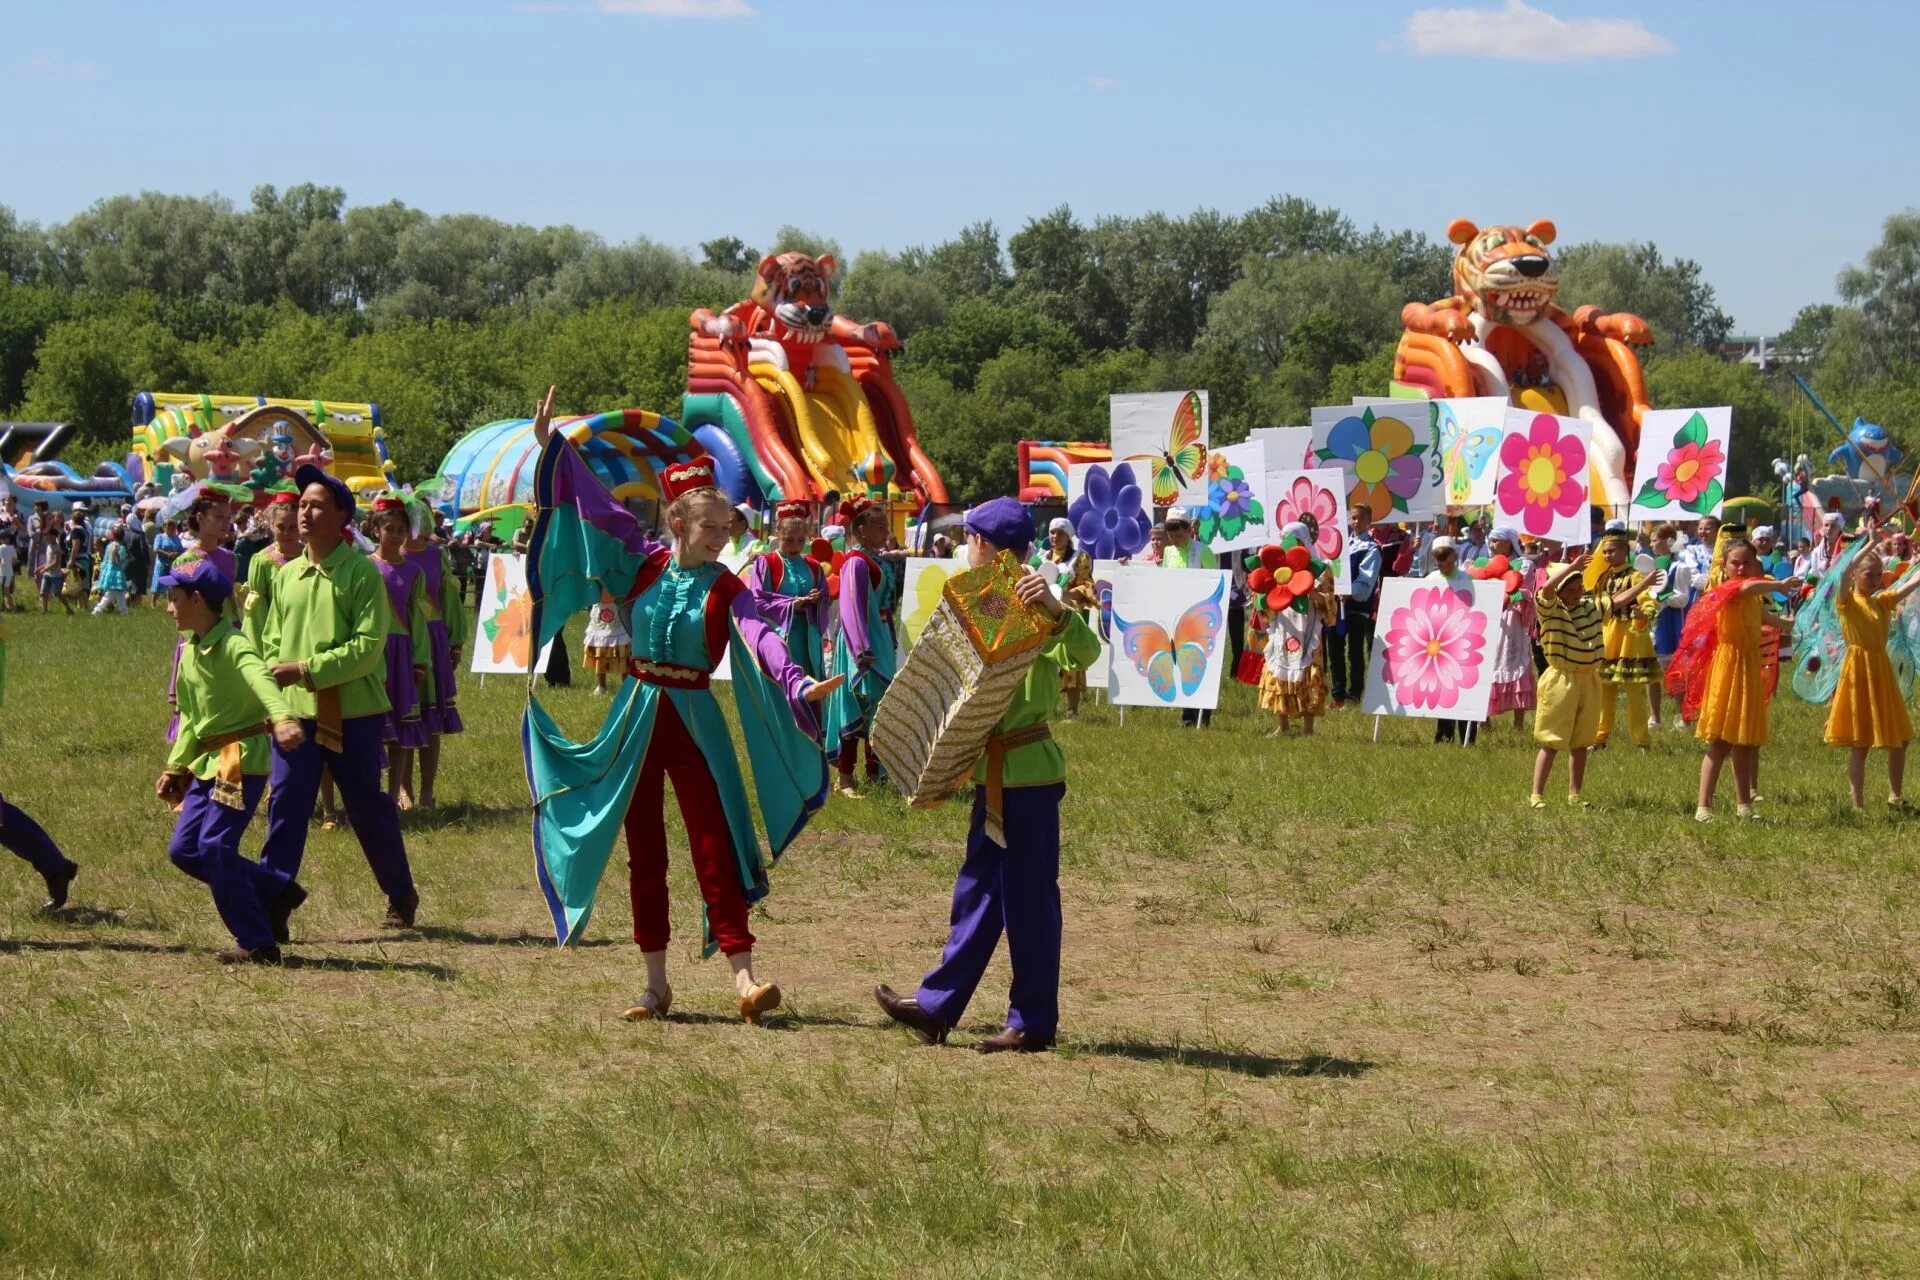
[(1433, 650), (1470, 429), (1386, 450), (1168, 637), (1164, 435), (1682, 467)]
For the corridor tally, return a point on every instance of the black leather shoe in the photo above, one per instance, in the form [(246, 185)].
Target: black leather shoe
[(906, 1011), (400, 911), (280, 912), (1014, 1040), (57, 886), (253, 955)]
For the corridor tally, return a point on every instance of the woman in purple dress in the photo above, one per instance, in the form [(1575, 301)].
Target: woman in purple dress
[(407, 643)]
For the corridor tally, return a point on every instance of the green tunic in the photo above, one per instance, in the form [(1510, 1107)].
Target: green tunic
[(224, 687), (333, 617)]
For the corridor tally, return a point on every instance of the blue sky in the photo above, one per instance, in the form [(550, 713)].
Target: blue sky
[(1766, 140)]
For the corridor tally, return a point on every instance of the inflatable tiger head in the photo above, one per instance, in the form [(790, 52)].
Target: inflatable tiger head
[(1504, 273), (793, 287)]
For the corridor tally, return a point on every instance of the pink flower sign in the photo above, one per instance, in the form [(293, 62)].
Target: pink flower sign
[(1431, 657), (1316, 499), (1543, 484)]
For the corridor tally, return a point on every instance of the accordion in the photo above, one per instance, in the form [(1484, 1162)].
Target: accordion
[(960, 678)]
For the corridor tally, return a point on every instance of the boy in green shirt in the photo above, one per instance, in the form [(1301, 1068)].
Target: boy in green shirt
[(229, 705), (1010, 880), (326, 637)]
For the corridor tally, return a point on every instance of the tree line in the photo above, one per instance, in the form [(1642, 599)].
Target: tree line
[(449, 321)]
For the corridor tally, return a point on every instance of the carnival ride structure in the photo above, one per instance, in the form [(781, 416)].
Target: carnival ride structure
[(351, 433), (1500, 334), (492, 466), (1044, 465), (790, 398), (29, 461)]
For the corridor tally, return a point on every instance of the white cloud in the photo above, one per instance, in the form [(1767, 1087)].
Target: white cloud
[(54, 69), (1100, 84), (679, 8), (1522, 33)]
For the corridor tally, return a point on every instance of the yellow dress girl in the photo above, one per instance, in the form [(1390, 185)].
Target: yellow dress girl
[(1869, 710)]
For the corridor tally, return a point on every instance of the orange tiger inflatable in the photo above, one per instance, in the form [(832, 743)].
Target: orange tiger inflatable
[(789, 305), (1487, 340)]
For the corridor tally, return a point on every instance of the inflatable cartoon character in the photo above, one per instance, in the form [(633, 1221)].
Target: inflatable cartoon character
[(789, 306), (1870, 450), (1501, 334)]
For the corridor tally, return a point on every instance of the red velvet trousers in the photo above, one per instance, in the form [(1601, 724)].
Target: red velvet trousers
[(672, 753)]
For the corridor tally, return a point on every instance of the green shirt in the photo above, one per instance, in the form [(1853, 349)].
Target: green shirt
[(224, 687), (1195, 555), (1074, 647), (256, 598), (333, 617)]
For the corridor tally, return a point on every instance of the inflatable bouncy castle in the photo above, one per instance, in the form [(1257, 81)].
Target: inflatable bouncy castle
[(1044, 463), (29, 453), (492, 466), (166, 423), (789, 397), (1500, 334)]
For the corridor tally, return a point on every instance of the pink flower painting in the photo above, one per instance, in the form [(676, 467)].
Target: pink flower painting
[(1689, 476), (1435, 645), (1314, 506), (1543, 475)]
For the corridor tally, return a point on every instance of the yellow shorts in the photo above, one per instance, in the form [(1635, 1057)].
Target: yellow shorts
[(1567, 716)]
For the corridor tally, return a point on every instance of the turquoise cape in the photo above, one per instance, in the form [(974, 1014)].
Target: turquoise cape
[(583, 540)]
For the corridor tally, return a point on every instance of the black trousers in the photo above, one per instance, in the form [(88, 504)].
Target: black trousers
[(1347, 658)]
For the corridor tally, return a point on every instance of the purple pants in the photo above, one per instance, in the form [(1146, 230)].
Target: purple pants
[(206, 845), (23, 836), (440, 714), (1015, 890), (356, 773), (404, 726)]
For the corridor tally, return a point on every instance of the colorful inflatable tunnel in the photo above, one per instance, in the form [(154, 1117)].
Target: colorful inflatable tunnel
[(1044, 463), (493, 466), (28, 461), (353, 431)]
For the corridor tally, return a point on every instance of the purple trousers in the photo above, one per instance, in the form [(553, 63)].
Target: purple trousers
[(1015, 890), (206, 845), (23, 836), (356, 773), (441, 714)]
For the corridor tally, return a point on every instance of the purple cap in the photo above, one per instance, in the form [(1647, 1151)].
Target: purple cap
[(342, 496), (194, 572), (1003, 522)]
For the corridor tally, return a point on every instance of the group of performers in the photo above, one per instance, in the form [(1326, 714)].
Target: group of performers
[(331, 663)]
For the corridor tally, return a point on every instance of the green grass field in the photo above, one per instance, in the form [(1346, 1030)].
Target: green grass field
[(1330, 1007)]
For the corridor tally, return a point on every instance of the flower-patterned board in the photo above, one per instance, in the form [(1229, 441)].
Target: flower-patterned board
[(1110, 506), (504, 637), (1314, 498), (1236, 513), (1169, 636), (1164, 435), (1681, 473), (1433, 650), (1545, 477), (1387, 452)]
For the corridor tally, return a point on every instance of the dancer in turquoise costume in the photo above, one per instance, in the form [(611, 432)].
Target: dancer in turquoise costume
[(790, 587), (863, 651), (664, 722)]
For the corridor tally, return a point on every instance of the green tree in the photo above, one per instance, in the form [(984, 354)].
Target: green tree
[(976, 331), (1886, 288), (1672, 297), (729, 254), (88, 368), (1760, 431)]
